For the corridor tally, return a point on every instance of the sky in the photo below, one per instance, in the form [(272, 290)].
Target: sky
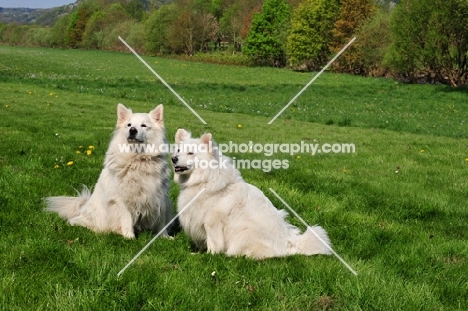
[(34, 4)]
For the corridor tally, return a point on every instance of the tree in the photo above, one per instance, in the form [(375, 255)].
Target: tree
[(208, 31), (59, 32), (430, 39), (100, 25), (353, 13), (265, 42), (14, 34), (134, 8), (194, 27), (158, 29), (374, 39), (92, 36), (131, 30), (36, 36), (231, 25), (77, 24), (247, 9), (308, 43)]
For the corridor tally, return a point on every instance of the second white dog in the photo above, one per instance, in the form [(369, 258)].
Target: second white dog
[(232, 216)]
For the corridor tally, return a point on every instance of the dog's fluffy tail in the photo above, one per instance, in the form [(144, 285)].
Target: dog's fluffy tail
[(309, 244), (68, 207)]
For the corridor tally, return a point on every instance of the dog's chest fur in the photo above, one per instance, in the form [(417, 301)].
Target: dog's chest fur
[(193, 218), (144, 179)]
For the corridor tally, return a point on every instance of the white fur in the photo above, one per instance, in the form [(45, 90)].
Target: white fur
[(131, 193), (232, 216)]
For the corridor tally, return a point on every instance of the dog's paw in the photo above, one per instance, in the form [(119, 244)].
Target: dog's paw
[(128, 234), (79, 221), (164, 234), (72, 222)]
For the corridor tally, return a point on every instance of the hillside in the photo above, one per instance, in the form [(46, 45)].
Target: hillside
[(48, 17), (45, 17)]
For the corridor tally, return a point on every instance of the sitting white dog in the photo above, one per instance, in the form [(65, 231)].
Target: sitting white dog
[(131, 194), (232, 216)]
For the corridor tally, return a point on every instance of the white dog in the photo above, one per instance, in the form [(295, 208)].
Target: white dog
[(232, 216), (131, 193)]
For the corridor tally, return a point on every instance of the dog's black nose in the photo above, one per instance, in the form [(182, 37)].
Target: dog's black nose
[(174, 160), (133, 131)]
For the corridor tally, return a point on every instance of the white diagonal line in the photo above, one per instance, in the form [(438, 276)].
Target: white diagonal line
[(312, 230), (162, 80), (313, 79), (162, 230)]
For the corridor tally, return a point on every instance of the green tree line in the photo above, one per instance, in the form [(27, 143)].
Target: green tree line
[(413, 40)]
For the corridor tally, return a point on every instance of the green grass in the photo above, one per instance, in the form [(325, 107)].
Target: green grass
[(332, 99), (404, 232)]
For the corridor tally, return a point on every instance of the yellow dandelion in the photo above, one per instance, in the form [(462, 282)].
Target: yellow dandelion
[(91, 147), (298, 157), (466, 160), (345, 171), (88, 152), (6, 106), (80, 147), (56, 166), (29, 92), (422, 151), (78, 151), (51, 93), (239, 126), (70, 163)]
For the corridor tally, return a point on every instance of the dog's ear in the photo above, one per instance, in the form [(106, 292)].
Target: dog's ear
[(157, 114), (182, 135), (123, 114), (206, 138)]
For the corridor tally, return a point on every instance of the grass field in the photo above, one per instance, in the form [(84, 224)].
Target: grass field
[(395, 210)]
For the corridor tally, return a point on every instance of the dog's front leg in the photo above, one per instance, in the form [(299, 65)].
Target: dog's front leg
[(124, 221), (214, 237)]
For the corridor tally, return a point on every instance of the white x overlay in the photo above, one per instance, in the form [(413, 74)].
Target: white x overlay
[(159, 233), (203, 121), (313, 79), (312, 230), (162, 80)]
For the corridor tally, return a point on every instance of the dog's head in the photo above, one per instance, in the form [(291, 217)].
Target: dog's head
[(140, 128), (192, 153)]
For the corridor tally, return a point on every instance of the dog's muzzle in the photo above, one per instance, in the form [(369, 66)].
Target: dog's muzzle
[(177, 168), (180, 169), (132, 133)]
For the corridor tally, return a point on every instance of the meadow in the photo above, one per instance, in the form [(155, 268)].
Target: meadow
[(395, 209)]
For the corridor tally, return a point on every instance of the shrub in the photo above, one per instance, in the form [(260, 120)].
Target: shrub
[(266, 41), (311, 33), (373, 40), (353, 13), (158, 29), (430, 41)]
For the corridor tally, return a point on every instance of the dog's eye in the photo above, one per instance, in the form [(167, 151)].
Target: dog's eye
[(178, 150), (129, 124), (190, 153), (143, 125)]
